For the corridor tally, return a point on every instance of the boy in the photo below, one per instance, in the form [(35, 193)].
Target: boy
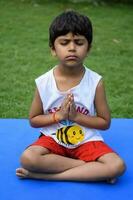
[(70, 105)]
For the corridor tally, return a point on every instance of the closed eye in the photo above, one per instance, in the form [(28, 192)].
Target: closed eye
[(79, 42), (64, 42)]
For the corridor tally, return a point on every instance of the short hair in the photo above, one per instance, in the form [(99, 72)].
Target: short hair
[(70, 21)]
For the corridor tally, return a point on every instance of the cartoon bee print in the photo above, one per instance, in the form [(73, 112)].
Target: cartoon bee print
[(70, 134)]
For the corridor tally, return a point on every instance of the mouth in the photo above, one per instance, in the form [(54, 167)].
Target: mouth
[(71, 57)]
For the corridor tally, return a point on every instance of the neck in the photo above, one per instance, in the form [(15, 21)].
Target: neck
[(71, 71)]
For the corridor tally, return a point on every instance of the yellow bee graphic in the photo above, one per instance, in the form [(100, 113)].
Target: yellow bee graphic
[(70, 134)]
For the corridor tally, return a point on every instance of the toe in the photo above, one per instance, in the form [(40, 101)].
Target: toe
[(22, 173)]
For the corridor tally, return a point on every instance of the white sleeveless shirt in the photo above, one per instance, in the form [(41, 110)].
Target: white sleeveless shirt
[(68, 133)]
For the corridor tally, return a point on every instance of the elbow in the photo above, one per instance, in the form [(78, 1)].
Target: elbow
[(32, 123), (106, 124)]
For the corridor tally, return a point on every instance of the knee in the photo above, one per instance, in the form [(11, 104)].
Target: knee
[(28, 160), (117, 168)]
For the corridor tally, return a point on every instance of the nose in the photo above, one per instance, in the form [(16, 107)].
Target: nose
[(72, 46)]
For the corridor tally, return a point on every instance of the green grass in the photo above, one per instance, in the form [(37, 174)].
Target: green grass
[(24, 52)]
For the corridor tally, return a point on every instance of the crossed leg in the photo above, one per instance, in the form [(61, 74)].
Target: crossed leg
[(38, 163)]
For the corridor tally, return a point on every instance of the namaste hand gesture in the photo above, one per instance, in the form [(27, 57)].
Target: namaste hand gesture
[(67, 109)]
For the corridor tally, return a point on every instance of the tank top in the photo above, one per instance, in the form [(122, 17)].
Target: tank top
[(68, 133)]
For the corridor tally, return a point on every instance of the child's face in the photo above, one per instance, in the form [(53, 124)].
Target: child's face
[(70, 49)]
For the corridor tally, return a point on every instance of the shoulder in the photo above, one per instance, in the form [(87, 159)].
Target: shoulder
[(92, 75), (43, 77)]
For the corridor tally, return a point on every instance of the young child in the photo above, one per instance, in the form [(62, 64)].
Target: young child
[(70, 105)]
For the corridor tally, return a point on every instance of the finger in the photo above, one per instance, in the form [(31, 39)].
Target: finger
[(72, 106), (65, 101), (70, 97), (68, 106)]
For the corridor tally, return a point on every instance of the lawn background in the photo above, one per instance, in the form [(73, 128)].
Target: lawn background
[(24, 52)]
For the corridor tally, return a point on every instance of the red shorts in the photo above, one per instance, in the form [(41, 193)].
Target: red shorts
[(89, 151)]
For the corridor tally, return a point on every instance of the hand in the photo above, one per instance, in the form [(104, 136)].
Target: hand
[(63, 113), (72, 108)]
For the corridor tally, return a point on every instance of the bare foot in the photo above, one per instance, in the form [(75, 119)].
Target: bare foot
[(22, 173)]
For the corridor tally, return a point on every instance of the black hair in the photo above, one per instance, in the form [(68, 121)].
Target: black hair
[(70, 21)]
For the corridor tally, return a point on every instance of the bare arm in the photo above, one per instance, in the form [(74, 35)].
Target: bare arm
[(36, 116), (102, 119), (39, 119), (68, 111)]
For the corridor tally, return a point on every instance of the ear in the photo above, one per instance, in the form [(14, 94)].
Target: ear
[(53, 52), (89, 47), (88, 50)]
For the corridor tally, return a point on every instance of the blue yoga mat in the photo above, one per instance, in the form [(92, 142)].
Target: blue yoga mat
[(16, 135)]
